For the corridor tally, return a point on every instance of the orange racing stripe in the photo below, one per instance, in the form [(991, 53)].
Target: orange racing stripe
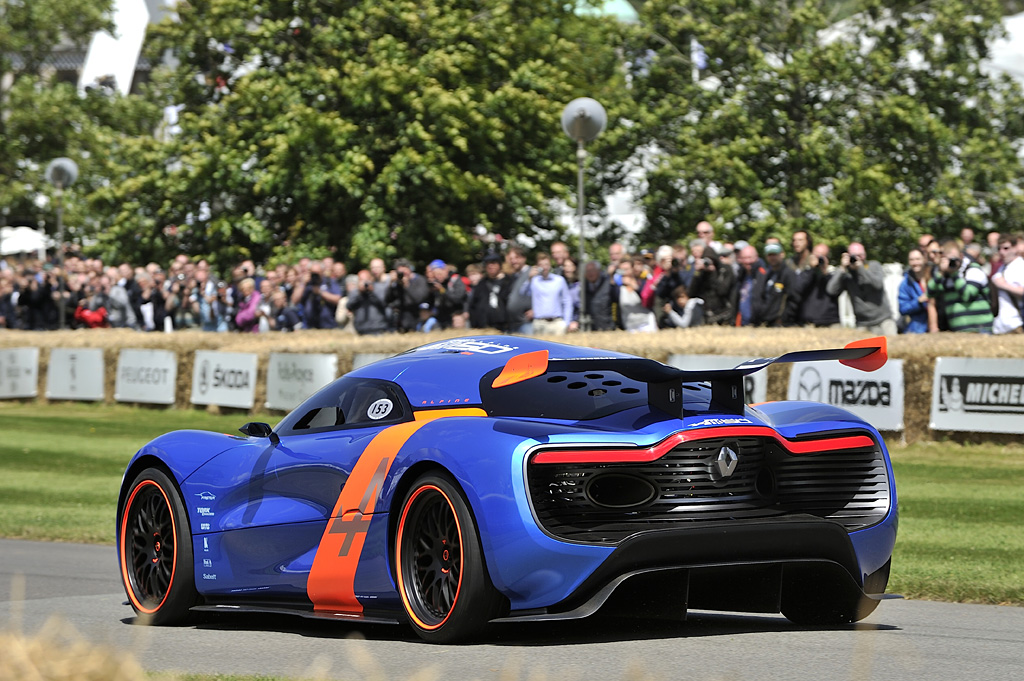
[(331, 584)]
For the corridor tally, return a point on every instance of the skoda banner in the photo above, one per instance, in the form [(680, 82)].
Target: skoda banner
[(875, 396), (148, 376), (75, 374), (227, 379), (755, 386), (19, 373), (293, 378), (978, 395)]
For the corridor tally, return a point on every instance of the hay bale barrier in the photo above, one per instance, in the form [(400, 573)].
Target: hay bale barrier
[(918, 352)]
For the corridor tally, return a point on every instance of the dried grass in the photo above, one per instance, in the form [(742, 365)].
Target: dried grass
[(917, 351), (59, 653)]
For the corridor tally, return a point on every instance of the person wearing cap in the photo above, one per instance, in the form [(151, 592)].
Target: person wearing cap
[(406, 292), (427, 322), (489, 297), (864, 281), (447, 293), (774, 301)]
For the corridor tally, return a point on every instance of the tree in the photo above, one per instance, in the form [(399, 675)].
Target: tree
[(878, 128), (374, 128), (34, 112)]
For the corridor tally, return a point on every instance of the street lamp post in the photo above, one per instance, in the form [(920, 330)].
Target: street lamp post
[(583, 119), (61, 172)]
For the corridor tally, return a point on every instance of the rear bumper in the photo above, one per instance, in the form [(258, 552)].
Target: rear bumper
[(735, 566)]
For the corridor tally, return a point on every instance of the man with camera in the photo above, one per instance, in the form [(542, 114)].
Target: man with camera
[(817, 307), (406, 292), (961, 293), (864, 280), (210, 299), (715, 284), (318, 298)]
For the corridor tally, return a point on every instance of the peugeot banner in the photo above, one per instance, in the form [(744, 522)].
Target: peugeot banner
[(876, 397), (146, 376), (227, 379), (978, 395), (755, 386)]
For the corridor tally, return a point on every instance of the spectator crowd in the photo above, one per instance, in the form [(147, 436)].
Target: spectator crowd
[(950, 284)]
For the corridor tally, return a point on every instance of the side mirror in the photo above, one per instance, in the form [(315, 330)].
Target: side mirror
[(259, 429)]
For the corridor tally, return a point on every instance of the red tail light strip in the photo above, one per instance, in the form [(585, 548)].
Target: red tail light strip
[(655, 452)]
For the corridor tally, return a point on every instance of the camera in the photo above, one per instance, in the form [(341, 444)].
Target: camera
[(180, 277), (854, 258), (954, 263), (399, 275), (707, 262)]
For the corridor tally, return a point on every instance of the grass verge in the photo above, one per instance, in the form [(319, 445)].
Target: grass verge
[(960, 536)]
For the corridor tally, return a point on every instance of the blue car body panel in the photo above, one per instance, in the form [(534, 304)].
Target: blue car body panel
[(260, 510)]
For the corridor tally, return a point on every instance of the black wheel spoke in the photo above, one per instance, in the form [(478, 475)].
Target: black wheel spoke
[(433, 556), (149, 548)]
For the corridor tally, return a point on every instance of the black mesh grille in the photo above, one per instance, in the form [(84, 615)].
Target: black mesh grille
[(849, 486)]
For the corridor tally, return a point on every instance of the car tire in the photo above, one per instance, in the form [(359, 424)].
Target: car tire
[(442, 579), (155, 551)]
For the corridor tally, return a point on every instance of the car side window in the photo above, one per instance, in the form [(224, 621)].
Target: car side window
[(348, 403)]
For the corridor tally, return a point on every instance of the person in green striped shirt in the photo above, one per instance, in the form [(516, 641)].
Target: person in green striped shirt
[(962, 291)]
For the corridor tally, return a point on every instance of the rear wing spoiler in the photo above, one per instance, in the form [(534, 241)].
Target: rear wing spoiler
[(665, 383)]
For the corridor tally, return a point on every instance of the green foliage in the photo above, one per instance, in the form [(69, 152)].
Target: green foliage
[(879, 128), (368, 128), (41, 119)]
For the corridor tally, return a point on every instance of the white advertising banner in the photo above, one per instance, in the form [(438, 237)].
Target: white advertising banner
[(227, 379), (19, 373), (292, 378), (148, 376), (978, 395), (75, 374), (875, 396), (755, 386)]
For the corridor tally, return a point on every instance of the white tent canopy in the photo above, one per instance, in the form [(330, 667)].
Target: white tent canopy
[(16, 240)]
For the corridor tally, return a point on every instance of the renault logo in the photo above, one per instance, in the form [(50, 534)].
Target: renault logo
[(724, 465)]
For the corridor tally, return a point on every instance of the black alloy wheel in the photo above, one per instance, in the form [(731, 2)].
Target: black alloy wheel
[(155, 551), (442, 579)]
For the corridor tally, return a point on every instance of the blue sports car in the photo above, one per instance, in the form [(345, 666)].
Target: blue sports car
[(498, 479)]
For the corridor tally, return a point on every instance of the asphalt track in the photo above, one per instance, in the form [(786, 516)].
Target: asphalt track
[(902, 640)]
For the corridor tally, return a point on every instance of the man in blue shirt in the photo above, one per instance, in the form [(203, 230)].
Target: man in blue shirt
[(552, 304)]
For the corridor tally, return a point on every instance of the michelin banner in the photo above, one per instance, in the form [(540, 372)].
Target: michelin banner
[(876, 396), (755, 386), (227, 379), (292, 378), (978, 395)]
